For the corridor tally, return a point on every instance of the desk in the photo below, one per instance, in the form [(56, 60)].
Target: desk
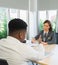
[(53, 59), (50, 60), (49, 48)]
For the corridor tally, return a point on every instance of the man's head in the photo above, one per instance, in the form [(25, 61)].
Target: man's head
[(17, 29)]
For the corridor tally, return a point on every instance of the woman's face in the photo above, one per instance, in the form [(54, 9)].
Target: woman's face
[(46, 27)]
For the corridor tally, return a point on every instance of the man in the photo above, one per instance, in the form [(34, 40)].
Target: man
[(12, 49)]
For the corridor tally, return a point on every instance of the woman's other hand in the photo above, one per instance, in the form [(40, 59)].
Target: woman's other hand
[(33, 40)]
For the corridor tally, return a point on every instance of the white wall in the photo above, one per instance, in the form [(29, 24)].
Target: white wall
[(18, 4), (47, 4), (23, 4)]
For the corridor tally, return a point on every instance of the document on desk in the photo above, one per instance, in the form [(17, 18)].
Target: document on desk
[(40, 48)]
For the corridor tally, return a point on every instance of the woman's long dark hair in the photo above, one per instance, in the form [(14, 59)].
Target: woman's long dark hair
[(47, 21)]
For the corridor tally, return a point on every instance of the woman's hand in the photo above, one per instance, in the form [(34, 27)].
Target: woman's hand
[(33, 40), (44, 43), (40, 39)]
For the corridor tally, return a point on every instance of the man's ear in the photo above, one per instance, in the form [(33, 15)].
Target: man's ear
[(20, 35)]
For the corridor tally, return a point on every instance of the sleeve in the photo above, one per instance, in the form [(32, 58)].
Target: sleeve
[(33, 54), (53, 40), (37, 36)]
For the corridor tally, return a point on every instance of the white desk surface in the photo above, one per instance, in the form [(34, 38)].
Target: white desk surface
[(53, 59)]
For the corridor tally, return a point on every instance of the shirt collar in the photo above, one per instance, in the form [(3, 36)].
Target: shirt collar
[(13, 39), (45, 32)]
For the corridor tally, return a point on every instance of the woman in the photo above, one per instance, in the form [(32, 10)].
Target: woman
[(46, 36)]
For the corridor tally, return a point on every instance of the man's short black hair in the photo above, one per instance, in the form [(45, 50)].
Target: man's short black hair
[(16, 24)]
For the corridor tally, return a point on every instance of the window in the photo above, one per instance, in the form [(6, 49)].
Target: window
[(24, 15), (52, 17), (42, 18), (13, 13), (7, 14), (51, 14), (3, 22)]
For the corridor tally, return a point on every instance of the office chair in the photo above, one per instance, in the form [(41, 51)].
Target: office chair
[(3, 62), (56, 38)]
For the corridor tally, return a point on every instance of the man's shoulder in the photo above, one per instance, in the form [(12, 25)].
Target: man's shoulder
[(2, 41)]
